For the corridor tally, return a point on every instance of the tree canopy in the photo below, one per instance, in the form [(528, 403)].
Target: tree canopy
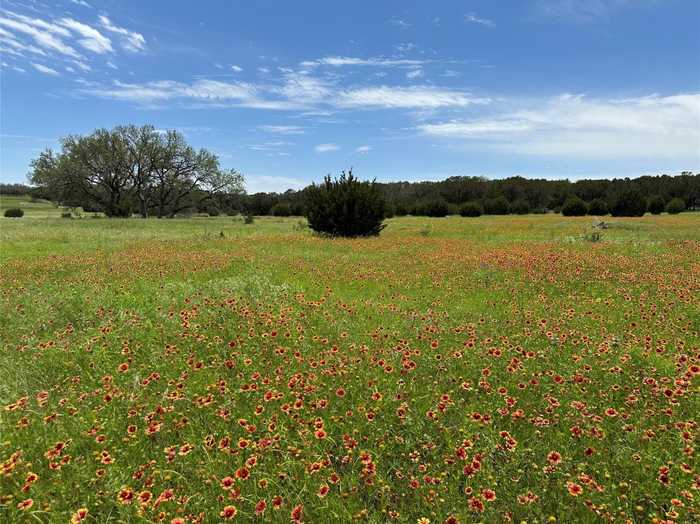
[(132, 169)]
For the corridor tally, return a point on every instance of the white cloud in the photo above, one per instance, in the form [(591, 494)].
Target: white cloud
[(18, 48), (131, 41), (208, 92), (363, 149), (167, 90), (575, 126), (473, 19), (283, 130), (297, 91), (236, 68), (398, 22), (338, 61), (415, 73), (325, 148), (47, 36), (92, 39), (405, 97), (270, 146), (81, 3), (46, 70), (304, 89), (264, 70), (82, 65), (585, 10), (405, 47)]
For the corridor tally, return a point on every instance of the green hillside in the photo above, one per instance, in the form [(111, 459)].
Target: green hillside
[(33, 208)]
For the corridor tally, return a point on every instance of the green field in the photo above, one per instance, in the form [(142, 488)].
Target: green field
[(483, 370), (33, 208)]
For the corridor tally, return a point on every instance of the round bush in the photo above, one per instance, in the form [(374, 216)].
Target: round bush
[(630, 203), (14, 212), (675, 206), (656, 205), (520, 207), (471, 209), (496, 206), (436, 208), (574, 207), (598, 207), (345, 207)]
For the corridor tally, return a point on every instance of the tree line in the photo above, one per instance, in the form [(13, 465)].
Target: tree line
[(473, 196), (140, 170)]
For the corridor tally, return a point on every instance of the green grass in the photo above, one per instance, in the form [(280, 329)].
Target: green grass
[(427, 329), (33, 207)]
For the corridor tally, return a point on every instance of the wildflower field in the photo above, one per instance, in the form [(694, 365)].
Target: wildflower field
[(494, 369)]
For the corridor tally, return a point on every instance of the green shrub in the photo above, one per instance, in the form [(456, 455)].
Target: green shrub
[(471, 209), (435, 208), (298, 209), (656, 205), (248, 219), (496, 206), (282, 209), (520, 207), (675, 206), (400, 210), (630, 203), (66, 214), (574, 207), (14, 212), (598, 207), (345, 207)]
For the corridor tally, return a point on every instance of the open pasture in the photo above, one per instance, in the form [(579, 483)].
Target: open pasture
[(452, 370)]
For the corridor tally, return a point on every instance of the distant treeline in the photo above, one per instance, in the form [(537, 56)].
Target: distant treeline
[(503, 196)]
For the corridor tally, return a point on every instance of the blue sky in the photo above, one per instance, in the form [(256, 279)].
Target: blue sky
[(287, 92)]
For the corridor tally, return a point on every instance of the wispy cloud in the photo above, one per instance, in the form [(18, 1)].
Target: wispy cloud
[(162, 90), (363, 149), (406, 97), (294, 92), (283, 130), (414, 73), (474, 19), (326, 148), (405, 47), (91, 39), (45, 35), (131, 41), (27, 37), (44, 69), (399, 22), (575, 126), (585, 10), (270, 146), (236, 68), (338, 61)]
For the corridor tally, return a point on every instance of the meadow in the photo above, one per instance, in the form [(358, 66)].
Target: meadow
[(495, 369)]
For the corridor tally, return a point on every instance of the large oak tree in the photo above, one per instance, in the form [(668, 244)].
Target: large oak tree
[(133, 169)]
